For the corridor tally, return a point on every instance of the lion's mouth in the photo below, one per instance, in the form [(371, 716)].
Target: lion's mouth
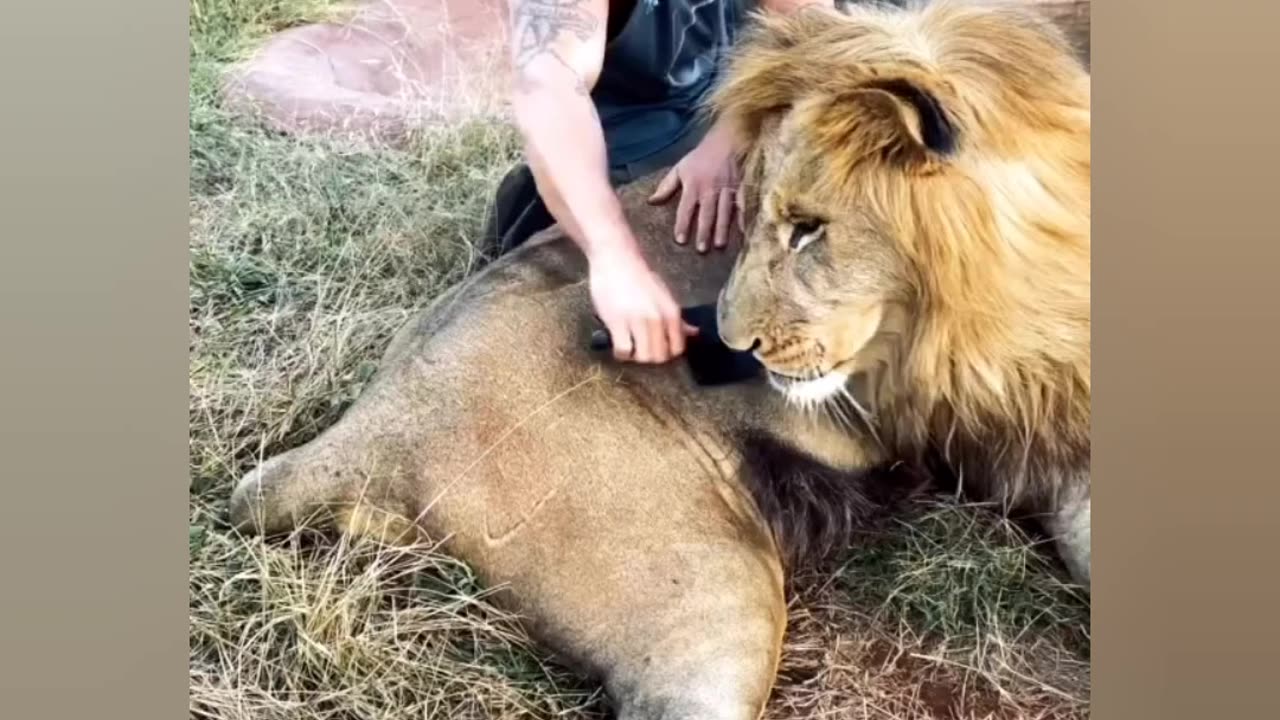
[(810, 390)]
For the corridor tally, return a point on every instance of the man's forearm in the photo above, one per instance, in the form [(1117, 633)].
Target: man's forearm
[(565, 147), (557, 50)]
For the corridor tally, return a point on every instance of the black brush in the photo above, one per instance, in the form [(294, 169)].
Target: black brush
[(710, 361)]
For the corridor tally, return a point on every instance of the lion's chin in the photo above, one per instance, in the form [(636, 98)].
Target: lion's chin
[(811, 391)]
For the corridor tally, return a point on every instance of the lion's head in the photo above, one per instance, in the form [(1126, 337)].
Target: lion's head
[(917, 200)]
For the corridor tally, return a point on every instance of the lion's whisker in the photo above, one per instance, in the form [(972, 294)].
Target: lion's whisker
[(868, 418)]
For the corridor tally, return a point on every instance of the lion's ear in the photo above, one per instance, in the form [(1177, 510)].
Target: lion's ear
[(924, 116), (890, 120)]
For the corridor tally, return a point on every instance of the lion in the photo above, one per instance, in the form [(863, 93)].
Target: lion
[(644, 526), (920, 249)]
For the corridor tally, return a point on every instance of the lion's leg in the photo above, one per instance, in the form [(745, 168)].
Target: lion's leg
[(328, 483), (1069, 525), (628, 543), (278, 496), (691, 632), (715, 653), (665, 587), (654, 578)]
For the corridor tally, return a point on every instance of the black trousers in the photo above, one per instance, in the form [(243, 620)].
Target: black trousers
[(516, 214)]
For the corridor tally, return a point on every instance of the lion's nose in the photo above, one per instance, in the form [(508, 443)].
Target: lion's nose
[(734, 326), (742, 342), (734, 333)]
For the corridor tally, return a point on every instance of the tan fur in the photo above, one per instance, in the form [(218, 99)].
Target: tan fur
[(612, 504), (629, 515), (971, 264)]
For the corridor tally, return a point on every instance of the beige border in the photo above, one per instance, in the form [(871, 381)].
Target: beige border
[(93, 369), (93, 362), (1185, 597)]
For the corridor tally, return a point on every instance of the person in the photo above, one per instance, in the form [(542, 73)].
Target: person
[(604, 92)]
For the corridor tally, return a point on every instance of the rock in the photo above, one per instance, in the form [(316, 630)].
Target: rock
[(393, 66), (389, 67)]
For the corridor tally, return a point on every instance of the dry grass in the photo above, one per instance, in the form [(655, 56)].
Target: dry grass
[(955, 613), (305, 257)]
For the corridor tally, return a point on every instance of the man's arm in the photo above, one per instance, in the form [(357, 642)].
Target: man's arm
[(557, 52)]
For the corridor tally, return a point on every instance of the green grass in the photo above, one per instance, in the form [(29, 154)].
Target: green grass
[(306, 255), (964, 573)]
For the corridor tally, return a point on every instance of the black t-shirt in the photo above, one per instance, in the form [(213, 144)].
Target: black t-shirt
[(658, 69)]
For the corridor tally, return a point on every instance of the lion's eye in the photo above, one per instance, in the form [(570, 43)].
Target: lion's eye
[(804, 232)]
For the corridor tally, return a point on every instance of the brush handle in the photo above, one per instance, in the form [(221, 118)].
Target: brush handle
[(601, 341)]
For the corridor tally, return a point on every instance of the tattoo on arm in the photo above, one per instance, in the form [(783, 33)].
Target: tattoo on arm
[(536, 26)]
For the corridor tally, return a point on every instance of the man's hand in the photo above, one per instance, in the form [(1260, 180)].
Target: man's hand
[(707, 179), (636, 307)]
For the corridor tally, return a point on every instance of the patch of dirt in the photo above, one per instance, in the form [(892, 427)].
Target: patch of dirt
[(840, 662)]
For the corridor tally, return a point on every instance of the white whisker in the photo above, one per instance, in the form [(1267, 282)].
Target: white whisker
[(868, 417)]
